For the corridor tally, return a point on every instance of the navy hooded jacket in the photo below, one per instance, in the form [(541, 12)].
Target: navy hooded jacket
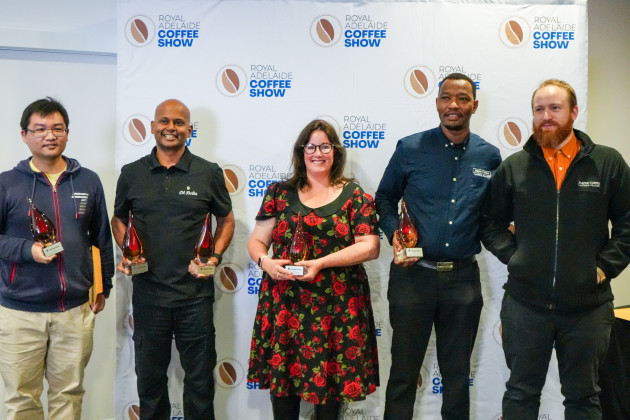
[(76, 205)]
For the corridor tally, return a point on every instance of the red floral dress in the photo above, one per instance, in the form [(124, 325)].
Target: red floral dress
[(317, 339)]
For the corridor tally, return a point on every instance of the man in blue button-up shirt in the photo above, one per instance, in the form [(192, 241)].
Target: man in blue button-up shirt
[(442, 175)]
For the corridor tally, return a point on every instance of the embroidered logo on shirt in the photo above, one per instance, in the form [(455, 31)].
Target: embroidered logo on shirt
[(482, 173), (588, 184), (83, 198), (188, 192)]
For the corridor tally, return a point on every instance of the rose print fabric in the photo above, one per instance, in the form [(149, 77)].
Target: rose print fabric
[(316, 339)]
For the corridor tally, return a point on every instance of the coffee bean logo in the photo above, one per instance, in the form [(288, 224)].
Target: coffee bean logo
[(132, 412), (139, 31), (497, 333), (326, 30), (419, 81), (512, 133), (514, 32), (231, 181), (229, 278), (234, 179), (136, 129), (228, 373), (423, 378), (129, 326), (231, 80)]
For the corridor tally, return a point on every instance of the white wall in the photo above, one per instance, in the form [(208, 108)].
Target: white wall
[(86, 83), (609, 60), (87, 89)]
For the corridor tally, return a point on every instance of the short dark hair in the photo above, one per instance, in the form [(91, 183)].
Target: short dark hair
[(43, 107), (299, 178), (461, 76)]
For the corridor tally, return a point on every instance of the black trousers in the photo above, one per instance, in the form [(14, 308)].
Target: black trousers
[(420, 298), (194, 333), (581, 341)]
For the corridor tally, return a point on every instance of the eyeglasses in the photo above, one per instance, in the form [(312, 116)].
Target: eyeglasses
[(42, 132), (325, 148)]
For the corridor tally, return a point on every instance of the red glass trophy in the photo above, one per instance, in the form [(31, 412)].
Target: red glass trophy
[(44, 231), (132, 249), (407, 235), (204, 250), (299, 249)]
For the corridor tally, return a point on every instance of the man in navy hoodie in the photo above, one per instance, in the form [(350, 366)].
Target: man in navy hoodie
[(46, 318)]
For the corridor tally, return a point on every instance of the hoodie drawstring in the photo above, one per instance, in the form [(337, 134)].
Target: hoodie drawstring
[(32, 191)]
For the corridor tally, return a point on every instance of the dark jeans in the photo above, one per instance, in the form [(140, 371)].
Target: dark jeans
[(193, 329), (418, 299), (581, 341)]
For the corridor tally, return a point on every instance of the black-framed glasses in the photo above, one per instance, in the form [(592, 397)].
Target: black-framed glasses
[(42, 132), (325, 148)]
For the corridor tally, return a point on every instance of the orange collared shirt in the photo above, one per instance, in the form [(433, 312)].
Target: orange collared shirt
[(560, 159)]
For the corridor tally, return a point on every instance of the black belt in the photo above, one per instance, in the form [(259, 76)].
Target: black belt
[(446, 265)]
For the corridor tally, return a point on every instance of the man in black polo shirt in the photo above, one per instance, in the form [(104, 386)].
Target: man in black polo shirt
[(169, 193)]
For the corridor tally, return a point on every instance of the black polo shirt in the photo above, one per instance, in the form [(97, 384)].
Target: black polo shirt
[(169, 208)]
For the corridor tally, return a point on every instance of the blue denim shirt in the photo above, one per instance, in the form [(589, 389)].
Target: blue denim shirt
[(442, 184)]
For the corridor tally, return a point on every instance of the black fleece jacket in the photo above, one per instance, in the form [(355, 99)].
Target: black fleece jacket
[(561, 236)]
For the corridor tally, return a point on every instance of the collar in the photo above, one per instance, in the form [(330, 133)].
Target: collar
[(183, 164), (569, 150), (448, 143)]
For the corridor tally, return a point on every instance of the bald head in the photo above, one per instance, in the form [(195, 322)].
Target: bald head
[(173, 105), (171, 126)]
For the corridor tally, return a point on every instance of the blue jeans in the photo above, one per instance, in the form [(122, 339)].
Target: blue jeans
[(418, 299), (581, 341), (193, 331)]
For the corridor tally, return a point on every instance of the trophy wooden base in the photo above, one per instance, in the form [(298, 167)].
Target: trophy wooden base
[(203, 270), (296, 270), (52, 249)]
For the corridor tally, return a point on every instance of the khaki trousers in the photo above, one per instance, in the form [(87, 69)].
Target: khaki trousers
[(56, 345)]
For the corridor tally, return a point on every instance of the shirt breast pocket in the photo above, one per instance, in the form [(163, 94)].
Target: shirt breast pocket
[(475, 180)]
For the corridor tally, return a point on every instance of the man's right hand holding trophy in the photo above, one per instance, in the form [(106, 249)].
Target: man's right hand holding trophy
[(405, 240)]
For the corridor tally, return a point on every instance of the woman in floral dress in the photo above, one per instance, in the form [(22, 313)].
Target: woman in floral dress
[(314, 336)]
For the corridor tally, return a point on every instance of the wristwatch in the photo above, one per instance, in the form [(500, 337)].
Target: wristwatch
[(260, 260), (218, 257)]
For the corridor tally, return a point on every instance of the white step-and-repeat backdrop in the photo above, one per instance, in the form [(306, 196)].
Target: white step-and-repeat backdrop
[(254, 73)]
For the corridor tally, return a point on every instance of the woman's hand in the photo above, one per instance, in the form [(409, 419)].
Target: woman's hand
[(311, 269), (275, 269)]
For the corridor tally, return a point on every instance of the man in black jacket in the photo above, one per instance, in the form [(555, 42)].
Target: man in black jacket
[(561, 191)]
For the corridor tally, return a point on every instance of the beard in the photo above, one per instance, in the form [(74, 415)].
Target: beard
[(553, 139)]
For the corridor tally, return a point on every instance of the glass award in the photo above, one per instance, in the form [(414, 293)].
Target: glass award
[(299, 249), (204, 250), (407, 235), (132, 249), (44, 231)]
